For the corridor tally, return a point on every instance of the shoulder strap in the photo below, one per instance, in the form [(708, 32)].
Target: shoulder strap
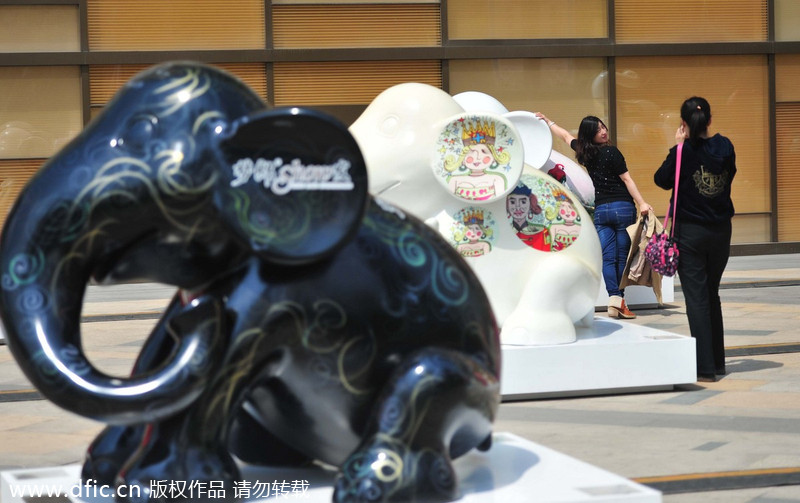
[(674, 205)]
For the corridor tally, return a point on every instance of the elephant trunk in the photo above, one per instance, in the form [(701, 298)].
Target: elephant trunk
[(51, 245)]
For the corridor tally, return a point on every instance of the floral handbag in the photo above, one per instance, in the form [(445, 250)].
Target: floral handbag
[(662, 251)]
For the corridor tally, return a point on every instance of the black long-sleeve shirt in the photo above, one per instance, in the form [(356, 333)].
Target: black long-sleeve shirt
[(707, 171)]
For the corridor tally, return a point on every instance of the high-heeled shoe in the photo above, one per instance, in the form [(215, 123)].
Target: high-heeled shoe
[(618, 309)]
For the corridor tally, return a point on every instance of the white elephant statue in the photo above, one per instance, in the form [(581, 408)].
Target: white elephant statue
[(527, 236)]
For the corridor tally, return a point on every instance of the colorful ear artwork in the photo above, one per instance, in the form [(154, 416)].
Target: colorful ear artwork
[(478, 158), (296, 184), (542, 213)]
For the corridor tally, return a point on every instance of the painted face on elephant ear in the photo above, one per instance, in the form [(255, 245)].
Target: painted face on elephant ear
[(478, 157), (294, 185)]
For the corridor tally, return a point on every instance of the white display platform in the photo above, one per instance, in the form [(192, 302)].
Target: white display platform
[(514, 469), (611, 357), (639, 297)]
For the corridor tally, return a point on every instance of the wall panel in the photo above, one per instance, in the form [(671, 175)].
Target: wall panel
[(106, 80), (15, 174), (787, 77), (149, 25), (408, 25), (649, 95), (40, 110), (788, 158), (681, 21), (347, 82), (39, 28), (787, 20), (526, 19)]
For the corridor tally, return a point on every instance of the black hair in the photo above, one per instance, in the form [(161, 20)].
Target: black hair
[(697, 113), (587, 149)]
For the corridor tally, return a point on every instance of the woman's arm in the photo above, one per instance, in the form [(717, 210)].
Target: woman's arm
[(664, 176), (633, 190), (556, 129)]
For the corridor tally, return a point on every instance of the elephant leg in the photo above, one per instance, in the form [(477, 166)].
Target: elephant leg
[(172, 465), (193, 447), (110, 450), (560, 293), (438, 405), (178, 449), (189, 452)]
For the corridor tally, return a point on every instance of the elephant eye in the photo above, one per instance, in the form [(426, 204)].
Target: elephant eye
[(390, 126), (138, 132)]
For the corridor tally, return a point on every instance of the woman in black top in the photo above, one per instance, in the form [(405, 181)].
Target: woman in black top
[(703, 227), (614, 196)]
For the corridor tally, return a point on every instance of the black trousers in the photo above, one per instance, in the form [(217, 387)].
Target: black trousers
[(704, 251)]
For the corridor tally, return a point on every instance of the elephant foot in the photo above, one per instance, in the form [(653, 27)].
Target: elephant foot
[(180, 474), (387, 471), (108, 453), (534, 328)]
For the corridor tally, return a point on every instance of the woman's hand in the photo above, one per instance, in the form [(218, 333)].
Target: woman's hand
[(681, 134), (542, 116), (645, 208), (556, 129)]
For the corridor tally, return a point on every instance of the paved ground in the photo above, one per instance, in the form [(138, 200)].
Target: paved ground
[(734, 441)]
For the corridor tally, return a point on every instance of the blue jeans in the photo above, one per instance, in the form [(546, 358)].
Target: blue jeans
[(611, 221)]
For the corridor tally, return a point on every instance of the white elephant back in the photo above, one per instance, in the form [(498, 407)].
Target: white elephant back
[(531, 244)]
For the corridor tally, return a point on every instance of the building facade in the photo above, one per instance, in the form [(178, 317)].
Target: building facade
[(630, 62)]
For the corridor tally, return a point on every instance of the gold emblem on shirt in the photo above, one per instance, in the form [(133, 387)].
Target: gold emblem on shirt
[(709, 184)]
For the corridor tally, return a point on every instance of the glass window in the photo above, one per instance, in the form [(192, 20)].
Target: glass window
[(347, 82), (15, 174), (39, 28), (526, 19), (151, 25), (649, 95), (677, 21), (407, 25), (787, 75), (787, 134), (40, 110), (106, 80), (565, 89), (787, 20), (787, 145)]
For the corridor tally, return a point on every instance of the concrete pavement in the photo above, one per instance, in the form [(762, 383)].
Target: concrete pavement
[(733, 441)]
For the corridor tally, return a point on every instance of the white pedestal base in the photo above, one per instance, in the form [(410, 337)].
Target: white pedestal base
[(612, 356), (513, 470), (639, 297)]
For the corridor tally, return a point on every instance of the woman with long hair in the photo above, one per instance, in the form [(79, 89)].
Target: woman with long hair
[(616, 198), (702, 227)]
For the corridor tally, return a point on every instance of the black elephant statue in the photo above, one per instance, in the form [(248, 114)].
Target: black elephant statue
[(311, 322)]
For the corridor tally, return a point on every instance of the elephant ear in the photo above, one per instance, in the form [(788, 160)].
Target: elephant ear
[(478, 157), (294, 184), (537, 140)]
